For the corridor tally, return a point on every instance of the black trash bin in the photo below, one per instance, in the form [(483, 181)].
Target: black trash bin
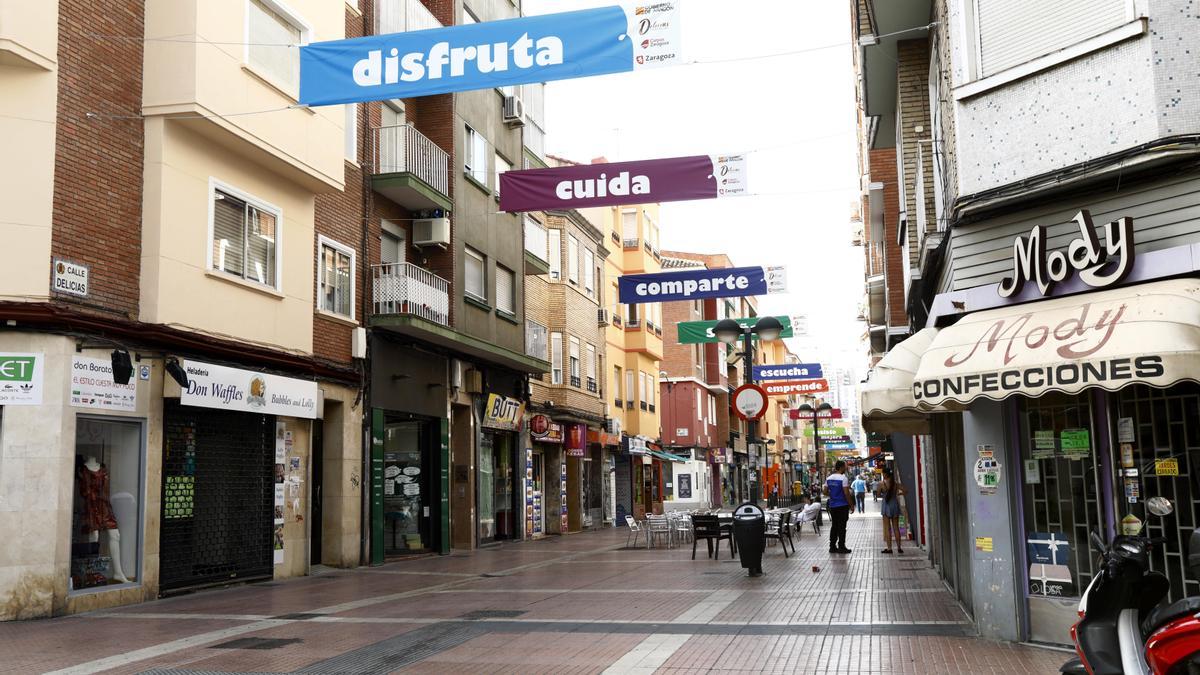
[(749, 530)]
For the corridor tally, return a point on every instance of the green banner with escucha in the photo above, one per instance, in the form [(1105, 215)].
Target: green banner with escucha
[(700, 332)]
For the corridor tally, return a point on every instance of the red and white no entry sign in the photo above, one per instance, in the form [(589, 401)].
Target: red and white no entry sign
[(749, 401)]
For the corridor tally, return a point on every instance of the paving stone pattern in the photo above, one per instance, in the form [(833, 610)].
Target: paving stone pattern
[(575, 604)]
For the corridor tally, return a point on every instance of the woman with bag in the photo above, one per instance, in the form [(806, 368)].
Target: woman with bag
[(890, 491)]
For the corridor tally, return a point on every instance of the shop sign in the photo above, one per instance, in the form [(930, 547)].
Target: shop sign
[(638, 446), (789, 371), (828, 431), (701, 332), (212, 386), (797, 387), (837, 446), (539, 426), (70, 278), (1166, 467), (1076, 443), (716, 456), (730, 282), (21, 378), (601, 437), (669, 179), (502, 412), (576, 440), (491, 54), (1087, 255), (833, 414), (554, 434), (92, 386)]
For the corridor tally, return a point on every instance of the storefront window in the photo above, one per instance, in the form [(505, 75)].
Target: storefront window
[(1060, 491), (105, 539), (405, 489), (1157, 437)]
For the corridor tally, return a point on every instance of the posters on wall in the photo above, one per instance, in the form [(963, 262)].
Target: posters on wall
[(1033, 472), (281, 448), (1049, 559), (562, 496), (987, 470), (92, 386), (1044, 444), (21, 378), (1076, 443), (1125, 431), (467, 57), (685, 485)]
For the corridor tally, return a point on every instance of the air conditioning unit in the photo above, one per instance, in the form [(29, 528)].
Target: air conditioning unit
[(602, 317), (431, 232), (514, 111), (473, 381)]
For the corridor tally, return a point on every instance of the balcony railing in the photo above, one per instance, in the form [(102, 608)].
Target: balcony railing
[(591, 385), (403, 149), (400, 16), (575, 381), (629, 243), (404, 288)]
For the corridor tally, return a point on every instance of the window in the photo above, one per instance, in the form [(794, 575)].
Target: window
[(712, 409), (554, 237), (631, 315), (535, 238), (556, 375), (391, 243), (572, 259), (476, 274), (574, 362), (642, 388), (475, 162), (589, 272), (629, 230), (351, 131), (335, 278), (590, 366), (651, 386), (535, 340), (268, 25), (502, 165), (1013, 32), (629, 390), (109, 473), (617, 385), (244, 237), (506, 290)]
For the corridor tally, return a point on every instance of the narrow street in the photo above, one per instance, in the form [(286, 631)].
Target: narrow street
[(578, 604)]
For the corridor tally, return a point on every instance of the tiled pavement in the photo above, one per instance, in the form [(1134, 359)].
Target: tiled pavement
[(581, 603)]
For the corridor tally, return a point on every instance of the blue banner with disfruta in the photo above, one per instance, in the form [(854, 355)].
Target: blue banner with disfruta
[(463, 58), (788, 371), (730, 282)]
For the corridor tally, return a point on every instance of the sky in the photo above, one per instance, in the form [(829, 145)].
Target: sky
[(795, 112)]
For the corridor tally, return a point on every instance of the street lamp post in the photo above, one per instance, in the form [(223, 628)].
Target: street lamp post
[(787, 461), (807, 409), (728, 331)]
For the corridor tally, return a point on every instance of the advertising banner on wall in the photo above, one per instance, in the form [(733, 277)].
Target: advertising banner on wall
[(788, 371), (92, 386), (491, 54), (787, 388), (502, 412), (700, 332), (21, 378), (212, 386), (732, 282), (641, 182)]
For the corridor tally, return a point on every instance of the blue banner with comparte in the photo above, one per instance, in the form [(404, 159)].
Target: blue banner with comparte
[(732, 282), (463, 58)]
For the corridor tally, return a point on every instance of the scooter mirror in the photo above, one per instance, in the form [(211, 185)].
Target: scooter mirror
[(1159, 506)]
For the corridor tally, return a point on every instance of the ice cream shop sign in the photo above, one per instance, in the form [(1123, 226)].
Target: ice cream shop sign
[(213, 386)]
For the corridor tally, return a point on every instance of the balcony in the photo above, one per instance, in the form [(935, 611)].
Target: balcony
[(410, 169), (404, 288), (402, 16), (630, 244), (575, 381), (591, 385)]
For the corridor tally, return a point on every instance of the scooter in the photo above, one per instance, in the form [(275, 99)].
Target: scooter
[(1173, 647), (1109, 636)]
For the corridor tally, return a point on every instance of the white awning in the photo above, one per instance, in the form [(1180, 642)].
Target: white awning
[(1147, 334), (887, 398)]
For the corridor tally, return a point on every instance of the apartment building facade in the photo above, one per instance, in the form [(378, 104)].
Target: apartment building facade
[(153, 442), (1081, 439)]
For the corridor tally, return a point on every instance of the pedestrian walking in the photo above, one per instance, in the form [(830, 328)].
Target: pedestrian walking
[(860, 493), (875, 488), (837, 486), (891, 489)]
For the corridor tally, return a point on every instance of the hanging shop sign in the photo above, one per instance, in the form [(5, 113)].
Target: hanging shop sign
[(831, 414), (843, 450), (1087, 255), (21, 378), (749, 401), (671, 179), (731, 282), (576, 440), (212, 386), (701, 332), (552, 432), (791, 371), (502, 412), (539, 426), (799, 387), (525, 50), (829, 431), (92, 386)]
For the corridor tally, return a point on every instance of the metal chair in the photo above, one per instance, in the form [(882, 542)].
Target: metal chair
[(777, 528), (634, 529), (657, 526), (682, 526)]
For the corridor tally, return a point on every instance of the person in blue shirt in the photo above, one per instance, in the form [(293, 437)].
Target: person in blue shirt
[(837, 487), (860, 493)]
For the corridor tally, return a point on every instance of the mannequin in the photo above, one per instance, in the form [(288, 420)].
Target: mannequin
[(98, 511)]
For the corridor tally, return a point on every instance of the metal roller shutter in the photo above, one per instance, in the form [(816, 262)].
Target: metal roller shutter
[(1012, 32)]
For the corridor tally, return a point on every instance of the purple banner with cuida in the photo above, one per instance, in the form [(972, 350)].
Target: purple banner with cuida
[(642, 182)]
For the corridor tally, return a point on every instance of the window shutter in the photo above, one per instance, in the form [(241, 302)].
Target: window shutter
[(229, 246), (555, 239), (505, 300), (556, 355), (1012, 32)]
